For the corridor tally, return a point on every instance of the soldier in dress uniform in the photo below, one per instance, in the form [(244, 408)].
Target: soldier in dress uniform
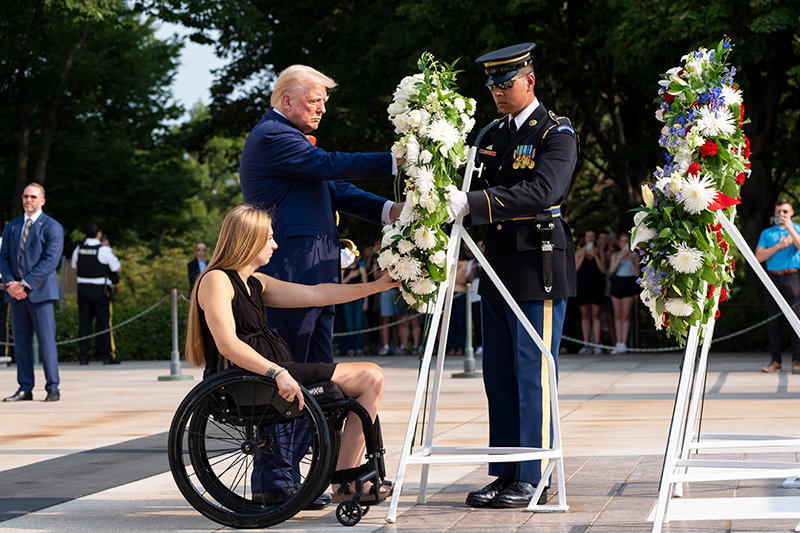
[(529, 156)]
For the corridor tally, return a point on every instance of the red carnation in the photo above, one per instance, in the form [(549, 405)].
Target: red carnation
[(723, 294), (716, 315), (668, 98), (724, 246), (740, 178), (715, 227), (746, 148), (741, 114), (665, 319), (710, 290), (708, 149), (693, 169), (733, 264)]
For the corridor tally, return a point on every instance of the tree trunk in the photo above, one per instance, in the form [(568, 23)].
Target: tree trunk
[(23, 115), (51, 111)]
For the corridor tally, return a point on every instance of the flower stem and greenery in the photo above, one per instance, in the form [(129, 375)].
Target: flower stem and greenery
[(686, 260), (431, 121)]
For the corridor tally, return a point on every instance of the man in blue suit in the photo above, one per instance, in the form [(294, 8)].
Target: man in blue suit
[(29, 255), (282, 168)]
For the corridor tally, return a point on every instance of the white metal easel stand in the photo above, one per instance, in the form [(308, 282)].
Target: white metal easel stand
[(684, 437), (430, 454)]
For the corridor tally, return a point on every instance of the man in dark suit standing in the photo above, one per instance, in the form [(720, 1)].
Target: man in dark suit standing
[(30, 253), (196, 266), (529, 157), (282, 168)]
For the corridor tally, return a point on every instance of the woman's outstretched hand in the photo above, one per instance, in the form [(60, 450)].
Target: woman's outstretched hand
[(386, 282), (289, 389)]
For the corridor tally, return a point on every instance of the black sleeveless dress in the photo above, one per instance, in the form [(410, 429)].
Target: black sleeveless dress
[(251, 327)]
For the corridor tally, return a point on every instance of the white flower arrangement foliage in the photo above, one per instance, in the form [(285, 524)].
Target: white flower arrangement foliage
[(682, 246), (431, 121)]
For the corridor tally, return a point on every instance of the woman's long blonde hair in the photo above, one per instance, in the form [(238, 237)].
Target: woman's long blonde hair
[(244, 234)]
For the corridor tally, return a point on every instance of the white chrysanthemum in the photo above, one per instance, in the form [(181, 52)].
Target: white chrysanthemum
[(686, 259), (407, 268), (423, 286), (697, 192), (424, 238), (439, 259), (404, 246), (443, 132), (424, 181), (425, 157), (731, 96), (386, 259), (677, 307), (716, 122)]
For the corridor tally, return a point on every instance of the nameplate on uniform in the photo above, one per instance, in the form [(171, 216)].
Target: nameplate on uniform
[(487, 152)]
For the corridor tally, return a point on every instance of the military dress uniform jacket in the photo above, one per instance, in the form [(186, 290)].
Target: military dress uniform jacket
[(508, 196)]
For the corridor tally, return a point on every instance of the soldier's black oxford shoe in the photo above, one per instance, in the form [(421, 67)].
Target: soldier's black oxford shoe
[(19, 396), (484, 496), (518, 494)]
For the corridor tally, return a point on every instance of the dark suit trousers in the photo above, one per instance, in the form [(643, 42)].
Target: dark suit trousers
[(789, 286), (93, 305), (28, 318), (516, 380)]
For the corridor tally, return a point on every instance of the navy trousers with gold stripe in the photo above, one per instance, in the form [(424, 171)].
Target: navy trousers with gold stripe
[(516, 380)]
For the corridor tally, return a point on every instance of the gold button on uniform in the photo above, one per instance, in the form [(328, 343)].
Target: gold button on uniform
[(499, 227)]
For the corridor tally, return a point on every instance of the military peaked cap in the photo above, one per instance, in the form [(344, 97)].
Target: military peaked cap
[(502, 65)]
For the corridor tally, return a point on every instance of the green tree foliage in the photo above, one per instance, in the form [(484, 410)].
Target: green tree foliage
[(84, 93), (596, 61)]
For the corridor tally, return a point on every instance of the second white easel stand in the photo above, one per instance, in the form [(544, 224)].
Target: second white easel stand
[(684, 437), (430, 454)]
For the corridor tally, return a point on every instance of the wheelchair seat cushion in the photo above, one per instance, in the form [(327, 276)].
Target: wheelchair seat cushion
[(325, 392)]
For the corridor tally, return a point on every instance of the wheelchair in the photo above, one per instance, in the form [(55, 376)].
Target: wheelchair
[(234, 420)]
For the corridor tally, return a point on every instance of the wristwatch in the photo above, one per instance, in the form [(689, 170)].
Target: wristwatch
[(273, 372)]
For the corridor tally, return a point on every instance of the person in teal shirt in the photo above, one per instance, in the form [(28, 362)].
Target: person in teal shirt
[(779, 246)]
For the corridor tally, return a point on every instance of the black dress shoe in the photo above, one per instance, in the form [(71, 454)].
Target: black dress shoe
[(53, 396), (83, 362), (321, 502), (280, 495), (485, 496), (19, 396), (518, 494), (111, 361)]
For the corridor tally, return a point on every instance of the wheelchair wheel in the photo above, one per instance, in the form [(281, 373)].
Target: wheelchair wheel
[(234, 424)]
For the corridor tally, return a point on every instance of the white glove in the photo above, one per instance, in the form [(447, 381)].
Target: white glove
[(457, 205), (346, 257)]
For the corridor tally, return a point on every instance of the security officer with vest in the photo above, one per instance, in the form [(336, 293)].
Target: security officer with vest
[(98, 273), (529, 156)]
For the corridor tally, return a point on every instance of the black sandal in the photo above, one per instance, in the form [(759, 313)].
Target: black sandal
[(345, 477)]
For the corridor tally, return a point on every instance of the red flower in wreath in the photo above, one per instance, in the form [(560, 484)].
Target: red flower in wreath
[(724, 246), (740, 178), (716, 315), (693, 169), (746, 148), (723, 294), (669, 98), (710, 290), (708, 149)]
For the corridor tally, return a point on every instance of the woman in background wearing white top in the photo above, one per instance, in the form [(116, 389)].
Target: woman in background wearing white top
[(625, 269)]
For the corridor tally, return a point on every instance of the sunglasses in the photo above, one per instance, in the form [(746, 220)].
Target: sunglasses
[(506, 85), (200, 249), (783, 211)]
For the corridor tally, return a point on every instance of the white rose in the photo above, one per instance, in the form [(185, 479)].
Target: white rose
[(398, 149), (386, 259), (415, 118), (425, 157), (460, 104), (395, 108), (400, 123), (439, 259)]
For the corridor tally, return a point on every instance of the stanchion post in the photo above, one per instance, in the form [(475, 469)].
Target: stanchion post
[(175, 361), (469, 353)]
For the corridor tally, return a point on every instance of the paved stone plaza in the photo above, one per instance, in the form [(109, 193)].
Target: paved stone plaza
[(96, 460)]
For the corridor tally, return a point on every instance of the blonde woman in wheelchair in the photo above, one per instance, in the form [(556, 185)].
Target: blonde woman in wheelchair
[(227, 327)]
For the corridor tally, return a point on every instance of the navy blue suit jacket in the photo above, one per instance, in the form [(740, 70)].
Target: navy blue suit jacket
[(42, 255), (303, 186)]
